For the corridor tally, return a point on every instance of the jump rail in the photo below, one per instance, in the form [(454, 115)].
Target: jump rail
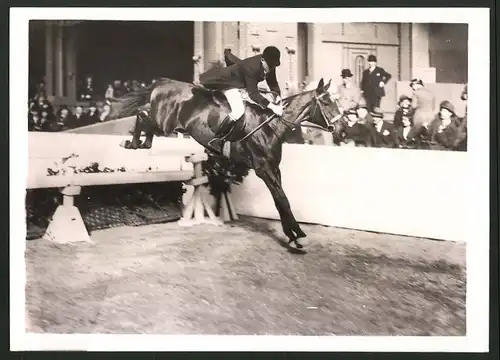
[(163, 164)]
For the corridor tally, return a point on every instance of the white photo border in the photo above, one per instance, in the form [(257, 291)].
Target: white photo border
[(477, 318)]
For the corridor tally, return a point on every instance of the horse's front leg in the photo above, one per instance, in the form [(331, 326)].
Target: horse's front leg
[(295, 225), (272, 179)]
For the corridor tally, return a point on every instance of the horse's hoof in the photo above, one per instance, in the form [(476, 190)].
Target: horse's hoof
[(294, 244), (300, 234), (146, 145)]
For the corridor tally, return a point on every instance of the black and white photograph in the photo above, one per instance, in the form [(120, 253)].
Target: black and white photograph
[(273, 173)]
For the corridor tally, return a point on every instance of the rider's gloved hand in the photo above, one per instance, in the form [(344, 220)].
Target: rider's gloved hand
[(277, 109)]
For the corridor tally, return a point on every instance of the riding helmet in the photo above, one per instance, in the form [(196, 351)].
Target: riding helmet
[(272, 55)]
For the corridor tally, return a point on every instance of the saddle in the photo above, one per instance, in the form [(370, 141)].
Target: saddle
[(219, 99), (239, 129)]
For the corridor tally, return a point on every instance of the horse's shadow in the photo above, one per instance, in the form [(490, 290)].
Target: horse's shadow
[(259, 226)]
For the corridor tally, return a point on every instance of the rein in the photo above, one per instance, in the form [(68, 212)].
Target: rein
[(313, 126), (291, 125)]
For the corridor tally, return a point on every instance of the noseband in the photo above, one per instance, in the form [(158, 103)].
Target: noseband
[(316, 102)]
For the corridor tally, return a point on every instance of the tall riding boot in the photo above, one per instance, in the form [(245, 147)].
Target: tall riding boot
[(224, 128)]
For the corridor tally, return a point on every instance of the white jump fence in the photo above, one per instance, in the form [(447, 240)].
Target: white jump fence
[(167, 161)]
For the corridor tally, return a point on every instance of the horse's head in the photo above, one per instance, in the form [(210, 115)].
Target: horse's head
[(324, 111)]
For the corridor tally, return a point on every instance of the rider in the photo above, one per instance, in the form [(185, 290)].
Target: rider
[(244, 74)]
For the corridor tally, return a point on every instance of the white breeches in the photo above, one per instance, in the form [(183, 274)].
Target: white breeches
[(236, 104)]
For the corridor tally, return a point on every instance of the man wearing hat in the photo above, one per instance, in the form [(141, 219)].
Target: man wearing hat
[(347, 93), (364, 116), (373, 82), (404, 111), (462, 143), (244, 74), (356, 133), (382, 132), (423, 103), (445, 130)]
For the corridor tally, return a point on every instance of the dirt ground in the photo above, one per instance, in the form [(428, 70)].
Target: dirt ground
[(239, 279)]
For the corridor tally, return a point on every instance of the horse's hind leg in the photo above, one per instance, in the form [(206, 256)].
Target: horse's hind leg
[(148, 143), (136, 137)]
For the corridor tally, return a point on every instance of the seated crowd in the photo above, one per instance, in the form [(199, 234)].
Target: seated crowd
[(414, 125), (44, 116)]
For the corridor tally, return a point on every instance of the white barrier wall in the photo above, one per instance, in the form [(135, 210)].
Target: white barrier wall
[(408, 192)]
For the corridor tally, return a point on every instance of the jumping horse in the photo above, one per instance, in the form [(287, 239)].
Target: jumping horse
[(256, 142)]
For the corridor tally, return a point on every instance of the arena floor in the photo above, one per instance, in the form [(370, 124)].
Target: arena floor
[(239, 279)]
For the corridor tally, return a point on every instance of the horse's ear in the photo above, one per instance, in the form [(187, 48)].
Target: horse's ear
[(327, 86), (321, 85)]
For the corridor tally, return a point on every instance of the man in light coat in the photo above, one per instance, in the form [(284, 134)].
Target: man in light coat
[(347, 93), (423, 103)]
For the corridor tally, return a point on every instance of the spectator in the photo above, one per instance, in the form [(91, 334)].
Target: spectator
[(347, 93), (405, 134), (47, 122), (383, 133), (423, 103), (445, 131), (87, 91), (32, 105), (93, 114), (356, 134), (34, 121), (404, 111), (126, 87), (464, 93), (373, 82), (43, 104), (79, 117), (118, 89), (64, 119), (462, 143), (364, 116), (105, 112), (109, 94)]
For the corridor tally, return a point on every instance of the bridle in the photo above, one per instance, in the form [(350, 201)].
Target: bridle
[(316, 101)]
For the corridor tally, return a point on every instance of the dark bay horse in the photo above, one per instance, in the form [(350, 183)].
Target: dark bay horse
[(198, 111)]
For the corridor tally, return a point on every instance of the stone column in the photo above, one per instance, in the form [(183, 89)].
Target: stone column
[(198, 53), (405, 34), (420, 48), (71, 62), (59, 54), (313, 49), (49, 59)]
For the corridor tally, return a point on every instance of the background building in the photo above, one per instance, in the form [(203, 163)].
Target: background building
[(64, 52)]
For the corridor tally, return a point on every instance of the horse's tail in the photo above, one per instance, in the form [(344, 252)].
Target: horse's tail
[(128, 104)]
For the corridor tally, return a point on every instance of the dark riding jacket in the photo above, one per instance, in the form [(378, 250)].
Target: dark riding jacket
[(243, 74)]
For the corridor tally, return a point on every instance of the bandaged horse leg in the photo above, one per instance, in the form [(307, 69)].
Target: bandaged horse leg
[(237, 111)]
